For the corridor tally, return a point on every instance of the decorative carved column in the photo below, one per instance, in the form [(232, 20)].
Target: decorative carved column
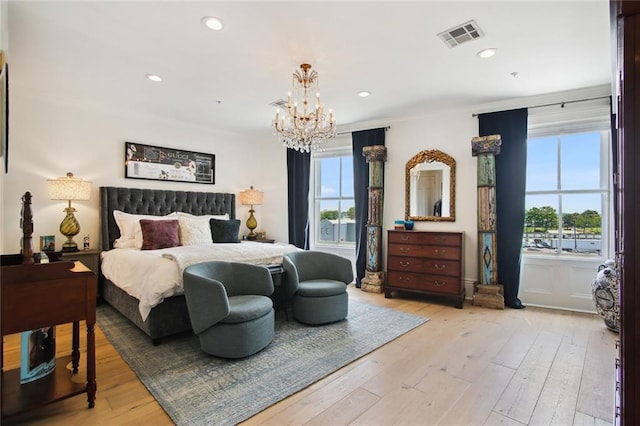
[(488, 293), (373, 277), (26, 223)]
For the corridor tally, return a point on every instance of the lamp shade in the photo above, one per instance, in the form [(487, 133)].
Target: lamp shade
[(69, 188), (251, 197)]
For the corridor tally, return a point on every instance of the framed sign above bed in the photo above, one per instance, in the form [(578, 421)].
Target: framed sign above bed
[(159, 163)]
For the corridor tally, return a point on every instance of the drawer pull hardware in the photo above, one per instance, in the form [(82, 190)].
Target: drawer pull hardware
[(405, 264), (440, 251), (440, 267), (404, 279), (405, 238), (404, 249), (440, 283)]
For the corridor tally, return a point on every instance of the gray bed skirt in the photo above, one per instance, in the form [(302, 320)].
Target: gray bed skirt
[(168, 318)]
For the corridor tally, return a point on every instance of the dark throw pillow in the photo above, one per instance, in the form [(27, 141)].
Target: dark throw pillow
[(159, 234), (225, 231)]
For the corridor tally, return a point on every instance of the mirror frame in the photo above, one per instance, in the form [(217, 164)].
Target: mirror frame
[(431, 156)]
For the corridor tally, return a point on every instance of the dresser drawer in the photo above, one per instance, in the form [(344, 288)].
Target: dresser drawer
[(435, 252), (430, 238), (424, 282), (424, 265)]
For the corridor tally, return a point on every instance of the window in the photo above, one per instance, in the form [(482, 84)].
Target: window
[(333, 205), (567, 194)]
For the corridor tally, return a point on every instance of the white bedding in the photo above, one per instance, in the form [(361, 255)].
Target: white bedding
[(152, 275)]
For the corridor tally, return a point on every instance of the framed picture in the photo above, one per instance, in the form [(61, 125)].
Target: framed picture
[(159, 163), (48, 243), (37, 353)]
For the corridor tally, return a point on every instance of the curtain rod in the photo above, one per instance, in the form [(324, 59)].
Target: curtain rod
[(562, 104), (344, 133)]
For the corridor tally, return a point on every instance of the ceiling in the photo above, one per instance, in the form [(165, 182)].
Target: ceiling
[(98, 52)]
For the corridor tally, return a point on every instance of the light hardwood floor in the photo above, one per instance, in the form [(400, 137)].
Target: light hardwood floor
[(471, 366)]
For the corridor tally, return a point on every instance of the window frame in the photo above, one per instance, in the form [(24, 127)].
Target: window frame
[(340, 148), (604, 190)]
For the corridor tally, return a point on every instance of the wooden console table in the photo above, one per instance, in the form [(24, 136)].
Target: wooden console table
[(40, 295)]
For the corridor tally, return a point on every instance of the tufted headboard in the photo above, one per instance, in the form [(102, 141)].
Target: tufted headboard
[(157, 202)]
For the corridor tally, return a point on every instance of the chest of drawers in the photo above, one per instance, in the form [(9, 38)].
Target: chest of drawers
[(426, 262)]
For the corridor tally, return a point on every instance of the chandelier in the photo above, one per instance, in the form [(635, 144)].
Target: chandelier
[(301, 126)]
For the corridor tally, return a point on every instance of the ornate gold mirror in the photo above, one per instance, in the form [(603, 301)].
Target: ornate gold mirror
[(430, 189)]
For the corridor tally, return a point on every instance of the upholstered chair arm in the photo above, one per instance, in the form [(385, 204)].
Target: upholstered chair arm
[(206, 300), (342, 269), (291, 280), (313, 265), (250, 279)]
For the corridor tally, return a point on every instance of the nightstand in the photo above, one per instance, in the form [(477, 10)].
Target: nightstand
[(265, 241), (89, 258)]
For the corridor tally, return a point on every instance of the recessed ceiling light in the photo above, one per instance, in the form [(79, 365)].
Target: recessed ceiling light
[(154, 77), (364, 93), (487, 53), (212, 23)]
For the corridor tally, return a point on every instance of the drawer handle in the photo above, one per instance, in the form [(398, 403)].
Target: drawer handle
[(405, 249), (440, 267), (440, 283), (405, 279), (405, 264), (440, 251), (405, 238)]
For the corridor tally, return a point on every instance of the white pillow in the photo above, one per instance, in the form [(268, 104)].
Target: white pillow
[(215, 216), (130, 231), (194, 230)]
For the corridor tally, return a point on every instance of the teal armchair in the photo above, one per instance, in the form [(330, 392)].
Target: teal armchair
[(229, 307), (316, 283)]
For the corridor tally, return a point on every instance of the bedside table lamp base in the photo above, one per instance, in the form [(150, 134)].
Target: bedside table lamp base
[(69, 228), (252, 224)]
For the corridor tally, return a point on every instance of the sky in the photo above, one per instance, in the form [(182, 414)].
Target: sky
[(579, 156), (330, 181)]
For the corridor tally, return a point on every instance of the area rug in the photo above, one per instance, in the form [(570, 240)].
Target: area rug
[(197, 389)]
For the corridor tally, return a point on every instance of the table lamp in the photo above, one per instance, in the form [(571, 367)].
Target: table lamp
[(251, 197), (69, 188)]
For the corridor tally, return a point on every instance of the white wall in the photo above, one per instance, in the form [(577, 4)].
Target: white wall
[(50, 137), (449, 132)]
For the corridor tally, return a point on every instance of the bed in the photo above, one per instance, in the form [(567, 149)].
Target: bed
[(170, 316)]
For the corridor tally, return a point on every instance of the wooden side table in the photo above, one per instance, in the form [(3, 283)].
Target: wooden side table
[(40, 295), (265, 241)]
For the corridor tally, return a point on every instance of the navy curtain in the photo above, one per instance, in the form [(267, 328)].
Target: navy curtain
[(361, 192), (298, 170), (614, 169), (511, 165)]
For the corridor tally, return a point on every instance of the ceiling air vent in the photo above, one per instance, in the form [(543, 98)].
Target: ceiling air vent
[(280, 103), (461, 33)]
